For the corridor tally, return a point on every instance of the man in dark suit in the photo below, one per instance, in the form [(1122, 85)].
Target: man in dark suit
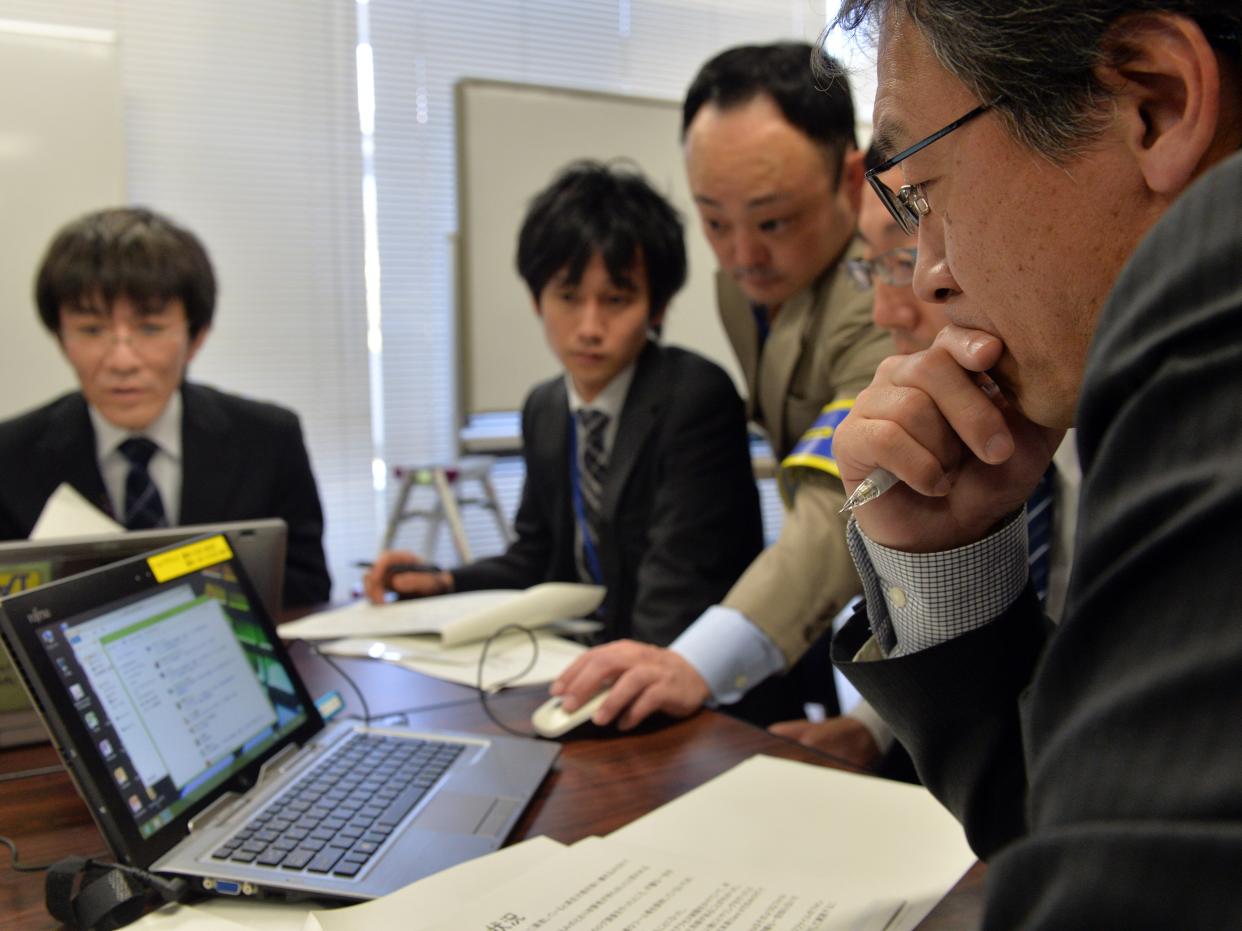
[(1094, 764), (130, 297), (657, 502)]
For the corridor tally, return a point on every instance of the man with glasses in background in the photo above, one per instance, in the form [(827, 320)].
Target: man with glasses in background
[(776, 176), (130, 297), (1082, 233), (886, 270)]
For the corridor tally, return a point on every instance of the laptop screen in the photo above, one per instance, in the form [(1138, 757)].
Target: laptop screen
[(167, 679)]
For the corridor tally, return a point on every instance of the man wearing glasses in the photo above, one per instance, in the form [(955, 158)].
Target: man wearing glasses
[(1072, 171), (886, 270), (130, 297), (776, 177)]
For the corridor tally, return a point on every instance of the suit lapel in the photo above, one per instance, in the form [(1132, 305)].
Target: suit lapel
[(209, 464), (70, 442), (550, 454), (782, 353), (642, 407)]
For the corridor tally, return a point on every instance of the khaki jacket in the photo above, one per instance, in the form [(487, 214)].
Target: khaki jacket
[(823, 347)]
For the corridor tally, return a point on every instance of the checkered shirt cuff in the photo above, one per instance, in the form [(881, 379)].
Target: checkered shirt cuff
[(918, 600)]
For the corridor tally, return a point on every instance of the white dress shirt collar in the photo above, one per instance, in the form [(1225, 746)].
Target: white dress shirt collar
[(611, 401), (165, 467)]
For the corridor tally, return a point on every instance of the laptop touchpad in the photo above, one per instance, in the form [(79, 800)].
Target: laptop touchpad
[(455, 812)]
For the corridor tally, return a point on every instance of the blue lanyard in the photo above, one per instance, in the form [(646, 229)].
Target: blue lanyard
[(588, 548)]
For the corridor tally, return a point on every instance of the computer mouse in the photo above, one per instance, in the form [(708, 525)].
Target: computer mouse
[(551, 720)]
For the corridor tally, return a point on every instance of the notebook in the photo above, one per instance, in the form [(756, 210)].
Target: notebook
[(193, 739)]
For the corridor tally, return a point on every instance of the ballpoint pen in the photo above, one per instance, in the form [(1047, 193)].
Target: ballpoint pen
[(875, 484), (880, 480), (400, 567)]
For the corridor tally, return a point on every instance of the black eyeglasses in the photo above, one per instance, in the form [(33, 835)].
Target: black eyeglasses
[(908, 204)]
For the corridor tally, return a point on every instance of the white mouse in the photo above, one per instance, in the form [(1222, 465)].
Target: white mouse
[(551, 720)]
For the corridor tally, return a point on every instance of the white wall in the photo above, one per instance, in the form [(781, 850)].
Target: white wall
[(61, 153)]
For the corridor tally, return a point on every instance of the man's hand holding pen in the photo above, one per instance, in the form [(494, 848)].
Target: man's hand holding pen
[(964, 459), (402, 572)]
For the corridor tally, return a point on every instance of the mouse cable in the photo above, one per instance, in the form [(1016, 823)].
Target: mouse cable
[(485, 693)]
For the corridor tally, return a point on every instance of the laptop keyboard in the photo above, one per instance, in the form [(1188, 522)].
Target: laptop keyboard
[(337, 816)]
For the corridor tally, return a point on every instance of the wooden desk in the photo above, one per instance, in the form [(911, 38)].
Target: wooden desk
[(600, 781)]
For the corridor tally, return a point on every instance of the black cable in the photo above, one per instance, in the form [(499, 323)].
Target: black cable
[(366, 710), (30, 773), (21, 867), (496, 686), (404, 713)]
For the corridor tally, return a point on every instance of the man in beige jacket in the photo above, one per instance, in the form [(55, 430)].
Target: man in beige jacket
[(776, 176)]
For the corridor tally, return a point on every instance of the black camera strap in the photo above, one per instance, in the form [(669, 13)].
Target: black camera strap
[(87, 895)]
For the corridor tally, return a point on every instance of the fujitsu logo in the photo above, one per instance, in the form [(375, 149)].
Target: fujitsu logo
[(38, 614)]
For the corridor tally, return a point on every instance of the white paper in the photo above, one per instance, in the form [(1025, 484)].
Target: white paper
[(873, 839), (185, 918), (68, 514), (456, 618), (258, 914), (507, 656), (601, 883), (435, 899)]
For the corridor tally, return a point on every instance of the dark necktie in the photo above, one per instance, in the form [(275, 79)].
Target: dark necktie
[(763, 327), (143, 506), (591, 474), (1039, 532)]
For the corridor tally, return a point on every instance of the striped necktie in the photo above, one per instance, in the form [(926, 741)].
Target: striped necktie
[(592, 470), (1039, 532), (143, 506)]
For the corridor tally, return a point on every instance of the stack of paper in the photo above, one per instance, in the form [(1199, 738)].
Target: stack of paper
[(444, 636), (770, 844)]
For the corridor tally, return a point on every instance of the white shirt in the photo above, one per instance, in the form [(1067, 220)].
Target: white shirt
[(610, 401), (165, 465)]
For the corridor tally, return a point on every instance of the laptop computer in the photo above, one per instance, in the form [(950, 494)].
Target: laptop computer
[(191, 736), (25, 564), (260, 544)]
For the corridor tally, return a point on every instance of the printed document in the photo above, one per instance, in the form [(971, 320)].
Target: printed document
[(866, 838), (600, 883)]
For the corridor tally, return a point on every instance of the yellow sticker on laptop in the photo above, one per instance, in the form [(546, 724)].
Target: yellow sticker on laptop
[(173, 564)]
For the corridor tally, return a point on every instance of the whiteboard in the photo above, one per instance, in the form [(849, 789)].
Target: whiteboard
[(61, 154), (512, 139)]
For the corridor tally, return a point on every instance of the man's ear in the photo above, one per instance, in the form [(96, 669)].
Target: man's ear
[(196, 344), (852, 171), (655, 321), (1168, 96)]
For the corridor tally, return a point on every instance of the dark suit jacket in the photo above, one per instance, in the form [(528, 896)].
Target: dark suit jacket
[(1099, 765), (680, 510), (242, 460)]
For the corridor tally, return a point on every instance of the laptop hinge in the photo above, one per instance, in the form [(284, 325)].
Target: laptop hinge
[(276, 765), (218, 810), (223, 807)]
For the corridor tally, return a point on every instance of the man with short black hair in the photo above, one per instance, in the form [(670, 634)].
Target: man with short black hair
[(638, 469), (776, 175), (1072, 171), (129, 296)]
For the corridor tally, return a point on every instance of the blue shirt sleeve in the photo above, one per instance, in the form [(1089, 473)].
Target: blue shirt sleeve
[(729, 652)]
